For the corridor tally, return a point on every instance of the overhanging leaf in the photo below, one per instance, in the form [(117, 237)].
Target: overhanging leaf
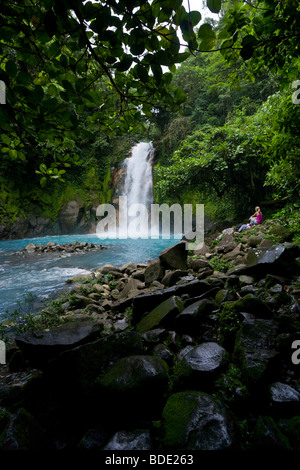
[(214, 5)]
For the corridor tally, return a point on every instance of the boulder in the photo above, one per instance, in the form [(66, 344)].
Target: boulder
[(267, 435), (153, 272), (160, 350), (201, 249), (161, 316), (138, 382), (108, 269), (233, 254), (279, 259), (285, 400), (128, 268), (130, 290), (139, 439), (172, 277), (255, 349), (227, 244), (174, 257), (281, 233), (200, 366), (252, 304), (190, 319), (39, 347), (195, 421), (196, 264), (77, 369), (255, 240)]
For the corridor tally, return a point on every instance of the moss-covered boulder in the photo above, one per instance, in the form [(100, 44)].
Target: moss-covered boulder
[(134, 373), (252, 304), (195, 421), (161, 316), (291, 429), (135, 387), (267, 435), (280, 233)]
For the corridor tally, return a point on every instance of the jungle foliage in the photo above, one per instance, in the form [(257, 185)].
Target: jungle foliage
[(237, 139), (81, 77)]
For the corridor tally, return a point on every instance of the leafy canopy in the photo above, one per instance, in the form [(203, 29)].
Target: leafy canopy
[(65, 59)]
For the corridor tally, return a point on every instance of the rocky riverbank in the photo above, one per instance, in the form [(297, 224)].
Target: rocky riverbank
[(197, 350)]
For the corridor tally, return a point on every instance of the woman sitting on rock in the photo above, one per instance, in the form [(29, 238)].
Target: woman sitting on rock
[(254, 219), (257, 217)]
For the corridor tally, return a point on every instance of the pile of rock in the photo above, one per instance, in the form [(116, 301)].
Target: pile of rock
[(63, 248), (172, 355)]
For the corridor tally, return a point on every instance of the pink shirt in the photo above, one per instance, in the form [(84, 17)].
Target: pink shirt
[(259, 218)]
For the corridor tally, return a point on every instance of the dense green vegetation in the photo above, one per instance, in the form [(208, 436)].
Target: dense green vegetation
[(236, 142), (84, 80), (78, 77)]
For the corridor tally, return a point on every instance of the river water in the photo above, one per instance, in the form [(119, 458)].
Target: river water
[(44, 277)]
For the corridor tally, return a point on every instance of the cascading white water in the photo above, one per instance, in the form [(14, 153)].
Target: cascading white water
[(138, 187), (138, 192)]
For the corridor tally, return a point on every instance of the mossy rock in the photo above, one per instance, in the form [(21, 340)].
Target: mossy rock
[(136, 372), (249, 304), (161, 316), (280, 233), (267, 435), (291, 429), (193, 420), (134, 388)]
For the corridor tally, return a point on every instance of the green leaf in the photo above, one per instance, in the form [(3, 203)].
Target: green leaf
[(157, 72), (43, 168), (214, 5), (207, 44), (124, 64), (54, 49), (195, 17), (181, 57), (13, 154), (249, 39), (43, 181), (137, 48), (11, 68), (142, 73), (52, 90), (205, 31)]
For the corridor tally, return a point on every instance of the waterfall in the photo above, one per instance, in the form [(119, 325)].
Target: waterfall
[(138, 186), (138, 192)]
